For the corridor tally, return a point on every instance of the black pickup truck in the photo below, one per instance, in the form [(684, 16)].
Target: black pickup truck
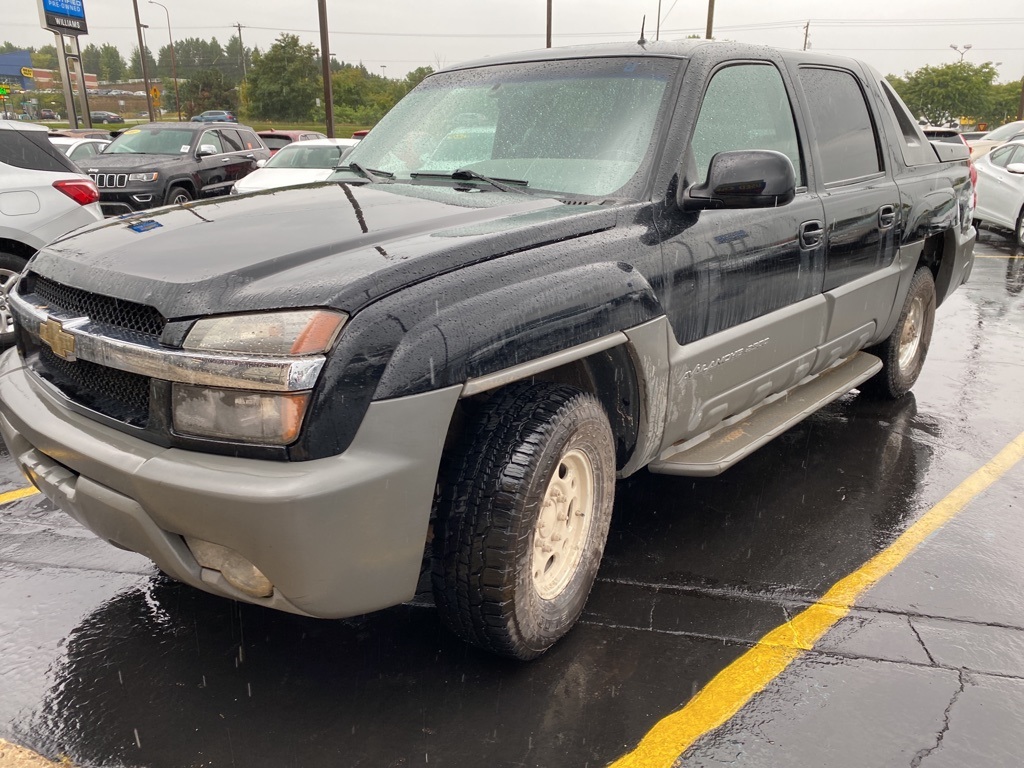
[(537, 274)]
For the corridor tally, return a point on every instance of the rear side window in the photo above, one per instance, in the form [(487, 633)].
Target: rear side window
[(230, 139), (249, 139), (276, 142), (745, 107), (846, 137), (22, 150)]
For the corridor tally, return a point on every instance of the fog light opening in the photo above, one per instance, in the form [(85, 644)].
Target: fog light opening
[(236, 570)]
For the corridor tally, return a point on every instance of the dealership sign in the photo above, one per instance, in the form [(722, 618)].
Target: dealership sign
[(63, 16)]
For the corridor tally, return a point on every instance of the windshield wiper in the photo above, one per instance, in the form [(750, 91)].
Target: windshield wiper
[(370, 173), (465, 174)]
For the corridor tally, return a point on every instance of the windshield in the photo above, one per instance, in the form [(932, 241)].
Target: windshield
[(301, 155), (576, 127), (1005, 132), (152, 140)]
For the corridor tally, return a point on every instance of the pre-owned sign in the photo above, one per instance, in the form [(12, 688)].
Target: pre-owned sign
[(66, 16)]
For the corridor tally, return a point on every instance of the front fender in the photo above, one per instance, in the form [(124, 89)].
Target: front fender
[(512, 324)]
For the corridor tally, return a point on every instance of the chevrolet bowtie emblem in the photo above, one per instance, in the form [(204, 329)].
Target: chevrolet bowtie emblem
[(60, 341)]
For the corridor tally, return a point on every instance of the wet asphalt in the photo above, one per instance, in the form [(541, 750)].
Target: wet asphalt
[(108, 663)]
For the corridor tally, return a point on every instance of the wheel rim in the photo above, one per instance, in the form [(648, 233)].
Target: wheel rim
[(179, 199), (563, 524), (7, 280), (910, 339)]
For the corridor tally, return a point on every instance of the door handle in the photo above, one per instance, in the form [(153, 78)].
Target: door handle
[(886, 216), (811, 234), (225, 159)]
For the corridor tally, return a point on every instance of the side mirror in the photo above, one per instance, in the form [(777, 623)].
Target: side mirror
[(1015, 167), (748, 178), (260, 163), (205, 150)]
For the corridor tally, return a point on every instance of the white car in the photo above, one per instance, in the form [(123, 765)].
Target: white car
[(1009, 132), (79, 150), (1001, 188), (42, 196), (301, 162)]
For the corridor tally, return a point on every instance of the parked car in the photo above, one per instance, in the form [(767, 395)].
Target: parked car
[(48, 114), (277, 139), (82, 133), (1002, 134), (163, 163), (1001, 188), (44, 196), (215, 116), (302, 162), (105, 117), (652, 255), (79, 150)]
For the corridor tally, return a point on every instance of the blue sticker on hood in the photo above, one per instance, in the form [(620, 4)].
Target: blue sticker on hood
[(145, 226)]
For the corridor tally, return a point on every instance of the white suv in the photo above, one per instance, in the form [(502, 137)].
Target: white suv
[(43, 195)]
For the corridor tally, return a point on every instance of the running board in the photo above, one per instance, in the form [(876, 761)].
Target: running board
[(741, 435)]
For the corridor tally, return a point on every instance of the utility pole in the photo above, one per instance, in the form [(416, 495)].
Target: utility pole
[(657, 27), (142, 60), (711, 19), (241, 48), (326, 65), (807, 32), (549, 25)]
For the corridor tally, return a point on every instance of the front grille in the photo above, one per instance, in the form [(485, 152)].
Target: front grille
[(109, 180), (118, 394), (101, 309)]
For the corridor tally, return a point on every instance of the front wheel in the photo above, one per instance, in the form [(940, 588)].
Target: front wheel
[(522, 518), (903, 353), (1020, 229), (177, 196)]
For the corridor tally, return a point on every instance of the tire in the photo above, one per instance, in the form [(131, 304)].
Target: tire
[(10, 268), (1019, 231), (904, 352), (177, 196), (515, 552)]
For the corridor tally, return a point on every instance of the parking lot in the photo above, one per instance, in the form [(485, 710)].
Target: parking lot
[(106, 662)]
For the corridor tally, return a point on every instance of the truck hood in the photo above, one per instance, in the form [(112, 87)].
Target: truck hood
[(328, 245)]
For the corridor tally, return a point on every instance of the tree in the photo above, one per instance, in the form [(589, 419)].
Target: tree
[(234, 56), (112, 66), (91, 58), (1006, 102), (948, 92), (206, 89), (135, 68), (285, 82), (193, 55), (45, 57)]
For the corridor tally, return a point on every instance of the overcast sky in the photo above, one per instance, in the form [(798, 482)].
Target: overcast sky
[(395, 36)]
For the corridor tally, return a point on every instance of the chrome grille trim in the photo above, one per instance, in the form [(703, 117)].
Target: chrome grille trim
[(109, 180), (111, 347)]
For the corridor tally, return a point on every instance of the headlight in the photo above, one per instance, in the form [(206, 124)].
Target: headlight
[(229, 414), (143, 176), (246, 416), (298, 332)]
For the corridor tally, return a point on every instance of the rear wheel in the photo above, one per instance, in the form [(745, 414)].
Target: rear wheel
[(522, 519), (177, 196), (10, 269), (903, 353), (1020, 229)]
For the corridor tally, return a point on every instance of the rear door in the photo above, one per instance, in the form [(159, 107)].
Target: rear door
[(862, 204)]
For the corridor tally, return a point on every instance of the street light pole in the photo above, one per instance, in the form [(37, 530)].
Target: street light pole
[(174, 63), (142, 61), (962, 53), (326, 67)]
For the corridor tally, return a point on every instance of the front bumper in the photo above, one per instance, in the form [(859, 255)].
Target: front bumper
[(130, 200), (336, 537)]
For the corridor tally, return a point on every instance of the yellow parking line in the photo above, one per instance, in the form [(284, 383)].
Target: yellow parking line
[(735, 685), (21, 493), (995, 256)]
